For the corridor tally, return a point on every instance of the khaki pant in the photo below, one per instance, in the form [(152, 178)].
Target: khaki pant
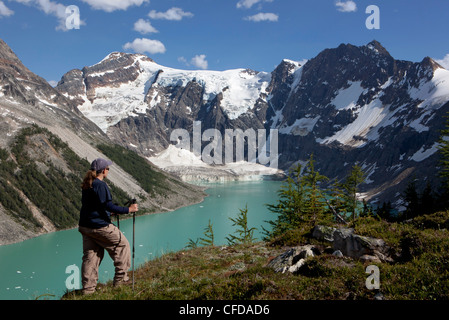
[(94, 243)]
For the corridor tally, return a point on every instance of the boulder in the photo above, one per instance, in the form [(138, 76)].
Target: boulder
[(356, 246), (323, 233), (368, 258), (347, 243), (337, 253), (293, 259)]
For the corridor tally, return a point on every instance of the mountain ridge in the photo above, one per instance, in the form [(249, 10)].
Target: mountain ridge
[(349, 104)]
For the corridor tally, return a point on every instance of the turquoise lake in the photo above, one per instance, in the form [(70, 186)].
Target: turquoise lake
[(38, 268)]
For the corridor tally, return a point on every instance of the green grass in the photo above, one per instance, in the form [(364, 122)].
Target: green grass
[(239, 272)]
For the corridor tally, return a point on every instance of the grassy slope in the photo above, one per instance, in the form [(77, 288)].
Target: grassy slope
[(238, 272)]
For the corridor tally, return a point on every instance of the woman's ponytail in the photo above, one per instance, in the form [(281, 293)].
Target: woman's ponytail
[(88, 179)]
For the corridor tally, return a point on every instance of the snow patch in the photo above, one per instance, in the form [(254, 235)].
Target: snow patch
[(368, 116), (423, 153), (435, 91), (301, 127), (347, 98)]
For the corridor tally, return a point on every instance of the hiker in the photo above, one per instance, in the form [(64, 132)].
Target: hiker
[(97, 230)]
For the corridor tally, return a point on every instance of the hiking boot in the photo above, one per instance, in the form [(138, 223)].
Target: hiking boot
[(121, 283), (87, 292)]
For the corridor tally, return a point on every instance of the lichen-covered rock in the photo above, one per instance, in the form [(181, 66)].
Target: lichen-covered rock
[(323, 233), (293, 259), (349, 244)]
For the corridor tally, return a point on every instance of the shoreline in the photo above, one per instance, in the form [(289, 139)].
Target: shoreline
[(196, 183), (30, 234)]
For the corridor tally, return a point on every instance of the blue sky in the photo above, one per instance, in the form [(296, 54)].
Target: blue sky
[(216, 34)]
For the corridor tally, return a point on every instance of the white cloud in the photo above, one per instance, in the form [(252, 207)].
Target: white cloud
[(112, 5), (142, 45), (444, 62), (4, 10), (171, 14), (55, 9), (249, 3), (53, 83), (144, 27), (263, 17), (346, 6), (199, 61)]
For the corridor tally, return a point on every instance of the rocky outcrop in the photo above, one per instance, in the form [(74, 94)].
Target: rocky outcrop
[(344, 244), (353, 245), (293, 259), (360, 247), (323, 233)]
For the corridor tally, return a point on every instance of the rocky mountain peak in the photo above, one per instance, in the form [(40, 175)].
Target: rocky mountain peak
[(377, 48), (282, 79), (19, 84), (115, 69), (7, 54), (10, 64), (26, 98), (115, 61), (429, 63)]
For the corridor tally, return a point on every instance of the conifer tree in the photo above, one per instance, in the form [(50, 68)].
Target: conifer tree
[(411, 199), (384, 211), (301, 200), (443, 148), (209, 236), (290, 206), (427, 200), (367, 210), (244, 234), (315, 202), (351, 188)]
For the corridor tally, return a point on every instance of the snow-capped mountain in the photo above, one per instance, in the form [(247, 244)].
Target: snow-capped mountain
[(138, 102), (358, 104), (124, 85), (349, 104)]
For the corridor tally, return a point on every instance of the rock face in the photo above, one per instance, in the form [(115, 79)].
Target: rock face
[(26, 98), (350, 104)]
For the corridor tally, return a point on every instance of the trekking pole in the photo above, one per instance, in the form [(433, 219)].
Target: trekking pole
[(130, 202), (134, 233), (117, 218)]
